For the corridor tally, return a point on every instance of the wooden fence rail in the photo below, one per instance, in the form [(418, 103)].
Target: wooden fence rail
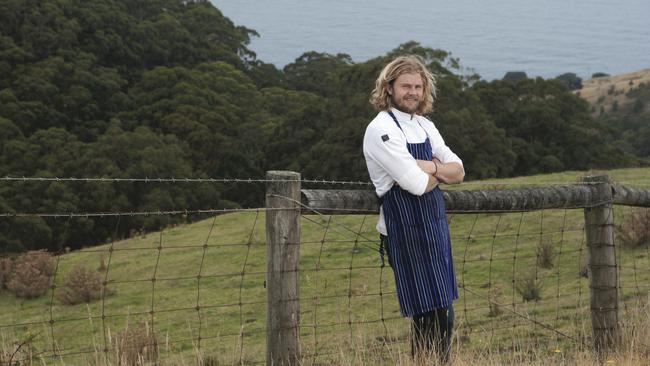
[(596, 195), (504, 200)]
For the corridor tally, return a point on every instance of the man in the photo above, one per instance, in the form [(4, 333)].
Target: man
[(407, 158)]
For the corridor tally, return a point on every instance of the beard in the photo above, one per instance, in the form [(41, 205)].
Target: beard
[(408, 105)]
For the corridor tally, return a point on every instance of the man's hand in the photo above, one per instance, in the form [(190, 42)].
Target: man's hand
[(430, 168), (432, 183), (449, 173)]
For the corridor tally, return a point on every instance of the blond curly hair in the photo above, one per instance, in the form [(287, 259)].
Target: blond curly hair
[(381, 100)]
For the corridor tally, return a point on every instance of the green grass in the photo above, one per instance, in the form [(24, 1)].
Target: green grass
[(340, 285)]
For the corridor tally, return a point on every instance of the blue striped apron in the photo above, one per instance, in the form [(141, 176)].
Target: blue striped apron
[(419, 246)]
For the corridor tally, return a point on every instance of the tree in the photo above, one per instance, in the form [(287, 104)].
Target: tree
[(570, 80), (547, 125), (514, 76), (313, 72), (297, 121)]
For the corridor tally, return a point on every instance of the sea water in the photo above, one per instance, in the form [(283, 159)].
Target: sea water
[(540, 37)]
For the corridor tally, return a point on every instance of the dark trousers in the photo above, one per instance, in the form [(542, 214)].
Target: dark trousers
[(431, 334)]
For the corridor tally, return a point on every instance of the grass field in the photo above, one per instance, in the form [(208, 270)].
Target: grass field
[(208, 298)]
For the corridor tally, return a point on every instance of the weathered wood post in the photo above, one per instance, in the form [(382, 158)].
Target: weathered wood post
[(282, 255), (603, 276)]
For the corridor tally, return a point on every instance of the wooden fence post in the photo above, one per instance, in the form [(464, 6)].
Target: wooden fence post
[(282, 255), (603, 276)]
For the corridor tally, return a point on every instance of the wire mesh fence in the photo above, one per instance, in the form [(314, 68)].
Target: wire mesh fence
[(196, 290)]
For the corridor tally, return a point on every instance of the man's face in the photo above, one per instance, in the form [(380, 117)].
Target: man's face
[(406, 92)]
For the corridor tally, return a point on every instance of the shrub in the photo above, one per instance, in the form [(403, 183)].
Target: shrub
[(136, 345), (81, 286), (634, 232), (102, 263), (493, 295), (6, 265), (32, 274), (529, 287), (545, 254), (208, 360)]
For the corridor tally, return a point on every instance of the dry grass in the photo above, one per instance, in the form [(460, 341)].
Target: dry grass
[(137, 345), (634, 349), (605, 91)]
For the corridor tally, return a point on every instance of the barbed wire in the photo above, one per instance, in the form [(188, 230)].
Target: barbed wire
[(491, 183), (130, 213), (174, 180)]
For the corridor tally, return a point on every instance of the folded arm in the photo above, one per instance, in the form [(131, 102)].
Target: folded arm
[(449, 173), (386, 151)]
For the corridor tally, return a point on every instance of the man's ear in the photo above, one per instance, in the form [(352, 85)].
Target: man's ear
[(389, 89)]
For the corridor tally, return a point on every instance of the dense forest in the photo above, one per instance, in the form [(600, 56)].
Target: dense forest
[(168, 88)]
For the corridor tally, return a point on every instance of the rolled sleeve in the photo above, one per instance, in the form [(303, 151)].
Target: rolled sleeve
[(388, 150)]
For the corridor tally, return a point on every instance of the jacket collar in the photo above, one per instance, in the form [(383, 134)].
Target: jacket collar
[(403, 117)]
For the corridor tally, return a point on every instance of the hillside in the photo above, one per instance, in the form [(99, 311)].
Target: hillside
[(209, 286), (602, 92)]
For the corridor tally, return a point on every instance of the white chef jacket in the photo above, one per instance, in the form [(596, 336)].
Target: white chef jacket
[(388, 159)]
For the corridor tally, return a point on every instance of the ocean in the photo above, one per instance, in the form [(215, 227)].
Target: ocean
[(540, 37)]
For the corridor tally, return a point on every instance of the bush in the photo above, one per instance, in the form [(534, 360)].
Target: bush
[(6, 265), (102, 263), (136, 345), (32, 274), (570, 80), (529, 287), (634, 232), (81, 286), (493, 295), (545, 254)]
